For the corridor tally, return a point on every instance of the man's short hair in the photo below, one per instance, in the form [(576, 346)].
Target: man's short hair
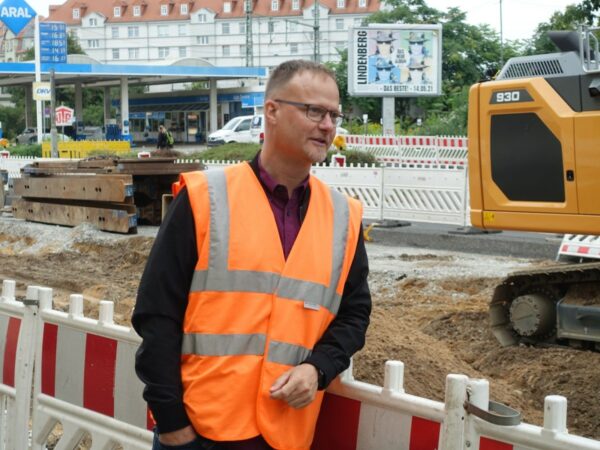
[(284, 72)]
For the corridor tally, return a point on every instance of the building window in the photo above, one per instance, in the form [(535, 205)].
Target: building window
[(247, 5), (341, 3), (202, 18), (225, 28), (227, 7), (93, 22), (296, 5), (274, 5), (114, 32), (243, 50), (163, 52), (182, 28), (137, 10), (115, 53), (163, 30), (164, 10), (357, 21), (133, 32), (226, 50), (117, 11), (75, 13), (242, 27), (293, 26), (271, 26), (183, 9), (182, 52), (202, 40), (362, 3), (294, 48), (94, 43), (339, 24), (134, 53)]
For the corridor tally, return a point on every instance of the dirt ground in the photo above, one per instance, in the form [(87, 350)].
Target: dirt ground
[(430, 311)]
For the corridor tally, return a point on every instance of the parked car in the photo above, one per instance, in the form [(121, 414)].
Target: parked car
[(236, 130), (28, 136)]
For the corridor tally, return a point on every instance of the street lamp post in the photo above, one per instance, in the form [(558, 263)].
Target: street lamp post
[(501, 39)]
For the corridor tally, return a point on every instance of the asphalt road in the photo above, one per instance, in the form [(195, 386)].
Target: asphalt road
[(452, 238)]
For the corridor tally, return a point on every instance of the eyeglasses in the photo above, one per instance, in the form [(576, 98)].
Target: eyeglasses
[(316, 113)]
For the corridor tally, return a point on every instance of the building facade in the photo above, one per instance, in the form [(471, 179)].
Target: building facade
[(223, 33)]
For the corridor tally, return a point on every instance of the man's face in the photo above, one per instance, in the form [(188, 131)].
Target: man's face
[(297, 136)]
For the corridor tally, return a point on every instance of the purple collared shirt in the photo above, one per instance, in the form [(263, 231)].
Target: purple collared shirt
[(285, 209)]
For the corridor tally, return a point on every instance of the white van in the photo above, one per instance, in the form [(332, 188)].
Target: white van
[(236, 130), (257, 129)]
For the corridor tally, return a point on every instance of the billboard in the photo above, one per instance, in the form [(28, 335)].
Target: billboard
[(395, 60)]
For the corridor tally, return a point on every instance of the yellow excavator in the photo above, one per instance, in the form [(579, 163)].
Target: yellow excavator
[(534, 165)]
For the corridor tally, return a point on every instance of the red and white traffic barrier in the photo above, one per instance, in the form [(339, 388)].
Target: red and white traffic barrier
[(87, 370), (17, 338), (87, 384), (579, 245)]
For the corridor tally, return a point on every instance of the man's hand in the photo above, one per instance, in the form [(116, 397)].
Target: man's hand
[(179, 437), (297, 387)]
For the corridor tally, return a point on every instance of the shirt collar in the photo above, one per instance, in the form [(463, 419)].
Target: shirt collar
[(272, 185)]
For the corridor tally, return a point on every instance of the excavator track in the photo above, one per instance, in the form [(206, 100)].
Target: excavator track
[(524, 306)]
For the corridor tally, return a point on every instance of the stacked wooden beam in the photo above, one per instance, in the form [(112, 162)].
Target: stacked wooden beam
[(115, 195)]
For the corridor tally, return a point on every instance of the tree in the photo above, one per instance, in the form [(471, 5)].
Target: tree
[(470, 54), (568, 20)]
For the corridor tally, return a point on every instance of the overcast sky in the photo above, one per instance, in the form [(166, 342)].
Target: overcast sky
[(519, 17)]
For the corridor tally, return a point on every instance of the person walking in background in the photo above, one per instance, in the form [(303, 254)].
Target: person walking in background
[(161, 140), (255, 294)]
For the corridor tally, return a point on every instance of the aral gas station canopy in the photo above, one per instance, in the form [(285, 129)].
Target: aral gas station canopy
[(82, 71)]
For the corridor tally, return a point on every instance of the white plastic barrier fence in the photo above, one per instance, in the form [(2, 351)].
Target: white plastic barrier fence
[(425, 195), (364, 183), (17, 339), (439, 151), (580, 245), (87, 376), (84, 379), (398, 193)]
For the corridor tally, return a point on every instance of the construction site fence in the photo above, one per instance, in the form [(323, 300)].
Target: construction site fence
[(81, 373)]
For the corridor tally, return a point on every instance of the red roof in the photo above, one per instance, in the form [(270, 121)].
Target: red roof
[(150, 10)]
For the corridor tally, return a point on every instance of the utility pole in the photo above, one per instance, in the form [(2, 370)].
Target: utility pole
[(316, 31), (249, 44)]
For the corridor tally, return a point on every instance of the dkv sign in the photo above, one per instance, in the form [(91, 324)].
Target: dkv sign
[(63, 116)]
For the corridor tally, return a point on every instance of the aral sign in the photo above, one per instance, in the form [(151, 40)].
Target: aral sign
[(16, 14)]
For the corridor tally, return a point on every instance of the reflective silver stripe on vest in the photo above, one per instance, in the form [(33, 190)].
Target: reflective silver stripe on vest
[(218, 278), (289, 354), (223, 344)]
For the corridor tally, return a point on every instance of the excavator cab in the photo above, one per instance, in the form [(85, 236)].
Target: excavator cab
[(534, 141)]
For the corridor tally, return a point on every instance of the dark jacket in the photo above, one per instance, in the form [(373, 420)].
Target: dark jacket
[(161, 141)]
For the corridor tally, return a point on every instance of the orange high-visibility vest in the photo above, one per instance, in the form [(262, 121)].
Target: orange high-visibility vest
[(252, 315)]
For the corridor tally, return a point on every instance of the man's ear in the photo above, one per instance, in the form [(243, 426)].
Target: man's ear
[(270, 111)]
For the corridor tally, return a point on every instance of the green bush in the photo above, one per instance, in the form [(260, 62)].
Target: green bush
[(26, 150)]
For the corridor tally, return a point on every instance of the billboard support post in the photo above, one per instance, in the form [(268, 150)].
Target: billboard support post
[(388, 115)]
